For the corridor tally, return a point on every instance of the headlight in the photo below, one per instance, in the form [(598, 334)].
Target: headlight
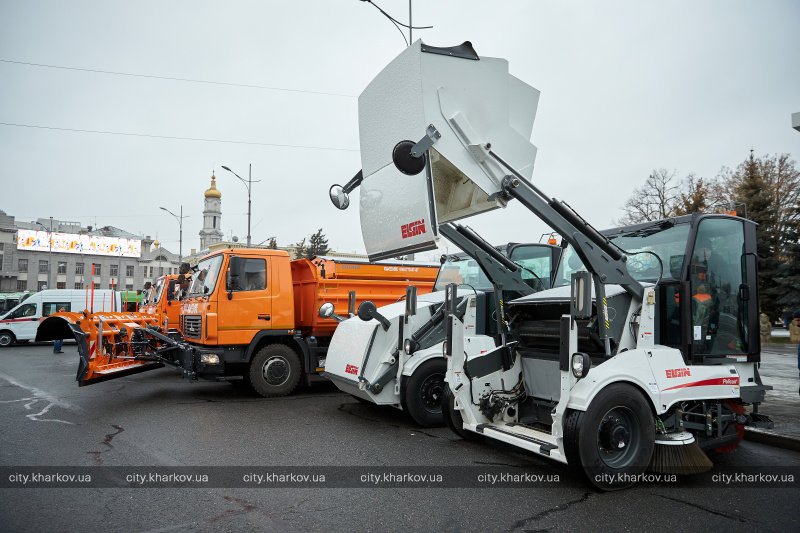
[(581, 363), (209, 358)]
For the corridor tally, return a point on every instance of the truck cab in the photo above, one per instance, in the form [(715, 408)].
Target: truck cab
[(162, 301)]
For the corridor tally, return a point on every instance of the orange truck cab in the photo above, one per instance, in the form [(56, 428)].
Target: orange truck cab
[(253, 316), (162, 302)]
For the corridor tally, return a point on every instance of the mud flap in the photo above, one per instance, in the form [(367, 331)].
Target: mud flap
[(93, 367)]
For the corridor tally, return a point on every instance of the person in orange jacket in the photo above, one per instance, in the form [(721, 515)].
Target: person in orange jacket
[(705, 303)]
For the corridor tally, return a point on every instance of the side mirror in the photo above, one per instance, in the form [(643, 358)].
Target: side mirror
[(326, 310), (340, 195), (367, 311), (339, 198), (234, 274)]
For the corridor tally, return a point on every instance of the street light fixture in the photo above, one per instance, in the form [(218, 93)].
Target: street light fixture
[(248, 183), (180, 231)]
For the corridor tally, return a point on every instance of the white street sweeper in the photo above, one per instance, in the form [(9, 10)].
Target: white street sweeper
[(403, 364), (643, 354)]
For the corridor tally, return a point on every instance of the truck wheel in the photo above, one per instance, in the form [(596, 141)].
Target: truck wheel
[(6, 339), (613, 440), (452, 416), (275, 371), (422, 393)]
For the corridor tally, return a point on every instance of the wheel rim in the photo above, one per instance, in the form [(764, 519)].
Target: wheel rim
[(618, 437), (5, 339), (276, 371), (431, 391)]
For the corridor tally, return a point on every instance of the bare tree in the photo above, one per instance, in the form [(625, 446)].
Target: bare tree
[(658, 198)]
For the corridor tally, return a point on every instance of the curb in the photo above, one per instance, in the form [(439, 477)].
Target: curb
[(772, 439)]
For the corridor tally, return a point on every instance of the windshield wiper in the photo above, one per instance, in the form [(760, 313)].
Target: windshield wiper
[(646, 231)]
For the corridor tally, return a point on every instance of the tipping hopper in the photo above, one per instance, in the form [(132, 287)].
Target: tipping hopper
[(427, 122)]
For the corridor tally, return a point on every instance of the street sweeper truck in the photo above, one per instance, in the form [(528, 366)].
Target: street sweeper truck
[(643, 354), (404, 365)]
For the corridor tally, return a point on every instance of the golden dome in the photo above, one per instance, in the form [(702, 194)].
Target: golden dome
[(156, 243), (213, 192)]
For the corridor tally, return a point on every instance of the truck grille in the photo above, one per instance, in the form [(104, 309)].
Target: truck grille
[(192, 326)]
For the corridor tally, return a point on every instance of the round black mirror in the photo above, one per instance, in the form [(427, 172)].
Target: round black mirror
[(404, 161), (339, 197), (366, 311)]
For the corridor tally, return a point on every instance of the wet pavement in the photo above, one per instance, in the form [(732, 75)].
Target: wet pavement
[(782, 404)]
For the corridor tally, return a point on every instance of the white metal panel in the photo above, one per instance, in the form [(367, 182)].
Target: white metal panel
[(395, 214), (390, 111)]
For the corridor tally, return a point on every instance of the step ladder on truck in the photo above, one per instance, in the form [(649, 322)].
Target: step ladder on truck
[(249, 316), (646, 351), (400, 360)]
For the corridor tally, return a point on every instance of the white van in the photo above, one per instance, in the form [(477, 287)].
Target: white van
[(21, 322)]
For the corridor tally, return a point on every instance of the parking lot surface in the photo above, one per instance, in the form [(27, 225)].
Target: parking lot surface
[(158, 419)]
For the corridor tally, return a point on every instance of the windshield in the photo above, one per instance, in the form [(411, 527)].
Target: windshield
[(536, 262), (205, 279), (462, 271), (156, 291), (669, 244)]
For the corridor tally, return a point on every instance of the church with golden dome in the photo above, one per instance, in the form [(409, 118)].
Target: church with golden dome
[(212, 216)]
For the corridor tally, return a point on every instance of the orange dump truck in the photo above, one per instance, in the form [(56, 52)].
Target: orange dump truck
[(253, 316), (249, 316)]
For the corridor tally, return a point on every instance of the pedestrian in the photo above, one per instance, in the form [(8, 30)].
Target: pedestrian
[(59, 342), (794, 335), (766, 328)]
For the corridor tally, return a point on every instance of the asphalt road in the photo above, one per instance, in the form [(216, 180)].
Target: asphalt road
[(156, 418)]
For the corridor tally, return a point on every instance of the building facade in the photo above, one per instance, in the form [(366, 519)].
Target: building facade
[(33, 270)]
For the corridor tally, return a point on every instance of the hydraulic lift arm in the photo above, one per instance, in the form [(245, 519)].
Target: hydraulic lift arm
[(504, 274), (605, 262)]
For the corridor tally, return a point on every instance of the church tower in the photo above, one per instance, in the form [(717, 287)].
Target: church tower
[(212, 216)]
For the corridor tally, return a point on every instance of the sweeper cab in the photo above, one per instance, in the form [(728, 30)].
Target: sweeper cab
[(643, 354)]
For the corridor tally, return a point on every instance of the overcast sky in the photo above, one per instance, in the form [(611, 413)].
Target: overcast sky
[(627, 86)]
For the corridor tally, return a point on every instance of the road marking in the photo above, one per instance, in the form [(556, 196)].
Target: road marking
[(39, 396)]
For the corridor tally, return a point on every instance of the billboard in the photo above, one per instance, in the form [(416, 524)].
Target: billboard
[(72, 243)]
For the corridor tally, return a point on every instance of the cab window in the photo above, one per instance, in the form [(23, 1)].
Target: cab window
[(24, 311), (536, 263), (251, 277), (48, 308)]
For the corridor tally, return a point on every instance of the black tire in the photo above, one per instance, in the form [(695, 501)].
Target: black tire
[(275, 371), (421, 393), (612, 442), (452, 417), (6, 339)]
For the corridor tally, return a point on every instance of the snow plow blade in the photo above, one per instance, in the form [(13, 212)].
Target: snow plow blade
[(109, 346)]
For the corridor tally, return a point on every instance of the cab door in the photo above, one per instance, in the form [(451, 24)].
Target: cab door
[(723, 291), (22, 321), (245, 306)]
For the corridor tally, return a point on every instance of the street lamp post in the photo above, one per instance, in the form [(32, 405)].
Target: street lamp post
[(49, 252), (247, 184), (180, 231)]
